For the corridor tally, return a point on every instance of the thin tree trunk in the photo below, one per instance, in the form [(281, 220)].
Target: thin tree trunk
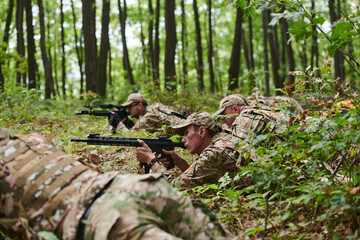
[(251, 54), (79, 52), (53, 92), (150, 44), (314, 60), (104, 49), (126, 60), (143, 47), (157, 42), (20, 45), (278, 82), (200, 65), (5, 42), (63, 63), (235, 53), (170, 46), (287, 48), (210, 51), (31, 49), (265, 27), (183, 44), (47, 66), (338, 58), (90, 44)]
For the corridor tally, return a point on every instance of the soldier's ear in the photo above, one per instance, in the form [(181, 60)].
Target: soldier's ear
[(202, 131)]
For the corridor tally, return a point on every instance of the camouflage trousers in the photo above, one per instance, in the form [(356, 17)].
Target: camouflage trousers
[(145, 207)]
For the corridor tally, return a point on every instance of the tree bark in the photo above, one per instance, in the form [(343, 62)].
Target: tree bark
[(251, 54), (338, 58), (265, 22), (183, 44), (287, 48), (170, 46), (200, 64), (210, 51), (126, 60), (104, 49), (157, 41), (31, 49), (5, 42), (150, 45), (278, 82), (90, 44), (47, 66), (79, 52), (235, 53), (20, 45), (63, 63)]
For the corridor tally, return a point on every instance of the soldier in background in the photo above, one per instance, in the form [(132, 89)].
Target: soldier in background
[(249, 121), (43, 189), (218, 154), (149, 116)]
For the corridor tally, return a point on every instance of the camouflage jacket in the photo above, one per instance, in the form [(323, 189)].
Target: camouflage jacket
[(278, 102), (43, 189), (219, 157), (152, 119), (257, 121)]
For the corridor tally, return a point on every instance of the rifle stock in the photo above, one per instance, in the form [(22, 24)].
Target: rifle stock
[(155, 144)]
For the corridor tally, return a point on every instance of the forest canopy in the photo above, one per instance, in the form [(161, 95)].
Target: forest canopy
[(70, 47)]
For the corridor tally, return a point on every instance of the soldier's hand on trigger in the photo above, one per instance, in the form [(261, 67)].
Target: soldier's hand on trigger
[(144, 153)]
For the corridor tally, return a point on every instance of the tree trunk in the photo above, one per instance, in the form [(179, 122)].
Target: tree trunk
[(170, 46), (126, 60), (79, 52), (20, 45), (63, 63), (104, 49), (200, 64), (183, 44), (251, 54), (5, 42), (31, 49), (210, 51), (157, 42), (265, 22), (90, 44), (53, 67), (235, 53), (278, 82), (150, 45), (338, 58), (143, 47), (314, 60), (287, 48), (47, 66)]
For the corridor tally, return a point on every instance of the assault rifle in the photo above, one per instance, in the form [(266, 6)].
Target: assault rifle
[(176, 114), (155, 144), (114, 116)]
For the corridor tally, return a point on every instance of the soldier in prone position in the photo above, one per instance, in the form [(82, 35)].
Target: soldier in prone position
[(43, 189), (149, 116), (217, 153)]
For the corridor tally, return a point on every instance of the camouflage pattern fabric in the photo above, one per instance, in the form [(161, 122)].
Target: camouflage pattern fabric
[(43, 189), (219, 157), (257, 121), (152, 119), (145, 207)]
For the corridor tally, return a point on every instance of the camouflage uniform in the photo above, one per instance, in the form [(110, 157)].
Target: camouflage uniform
[(43, 189), (219, 157), (151, 119), (256, 100), (254, 120)]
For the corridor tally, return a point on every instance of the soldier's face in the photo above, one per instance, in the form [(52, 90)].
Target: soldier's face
[(192, 140), (231, 110), (135, 109)]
